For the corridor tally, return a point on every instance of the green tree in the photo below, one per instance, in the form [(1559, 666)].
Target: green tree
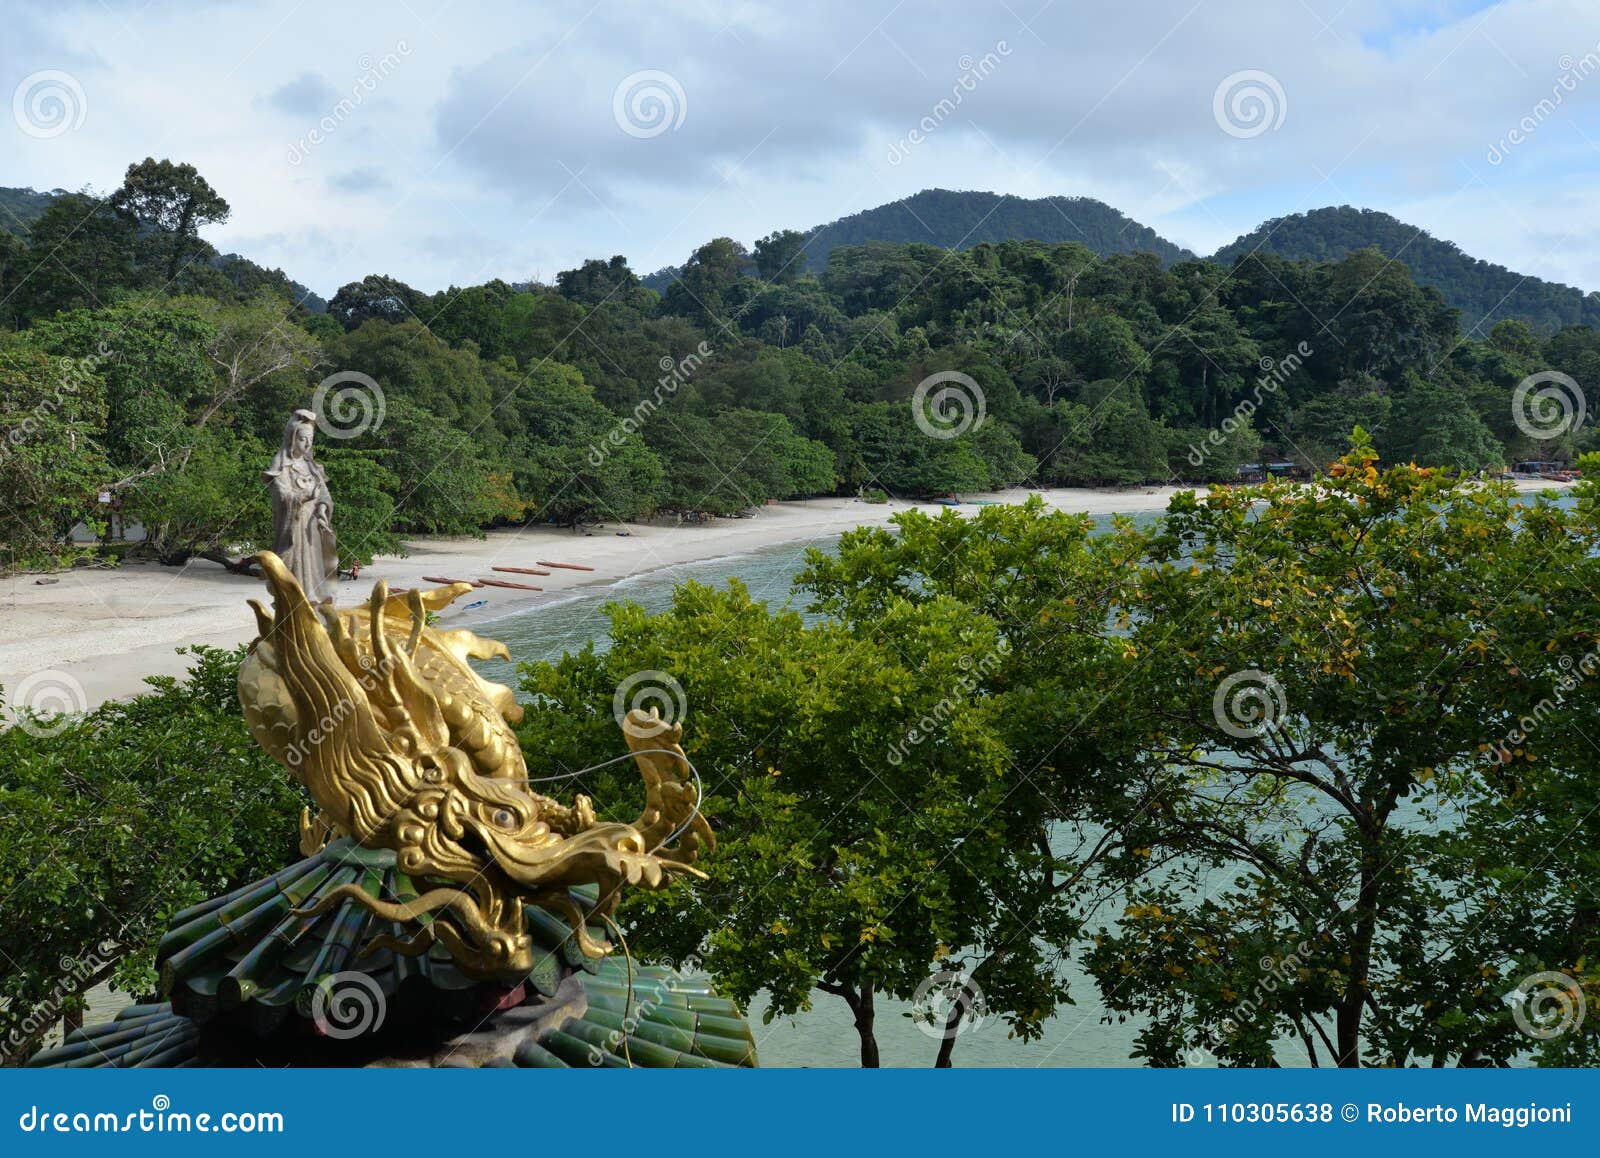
[(846, 772), (706, 290), (214, 506), (413, 365), (171, 202), (1213, 455), (363, 492), (1319, 430), (1115, 441), (1432, 427), (1320, 681), (1007, 464), (574, 461), (259, 359), (79, 256), (902, 459), (476, 314), (376, 296), (51, 464), (152, 355), (781, 256), (14, 267), (597, 281), (116, 820), (443, 482)]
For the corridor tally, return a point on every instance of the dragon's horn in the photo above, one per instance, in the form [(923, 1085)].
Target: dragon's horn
[(394, 679), (672, 804), (310, 713)]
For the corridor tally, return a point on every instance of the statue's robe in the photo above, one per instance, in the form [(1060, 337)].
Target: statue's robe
[(302, 513)]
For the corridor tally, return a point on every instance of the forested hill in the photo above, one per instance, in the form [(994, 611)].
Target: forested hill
[(20, 208), (952, 220), (1483, 292), (1057, 366), (948, 219)]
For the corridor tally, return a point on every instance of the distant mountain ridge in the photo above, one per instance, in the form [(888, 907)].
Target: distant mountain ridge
[(961, 220), (1484, 293), (20, 208), (951, 219)]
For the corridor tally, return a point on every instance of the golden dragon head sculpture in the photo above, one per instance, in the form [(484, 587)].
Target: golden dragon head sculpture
[(404, 746)]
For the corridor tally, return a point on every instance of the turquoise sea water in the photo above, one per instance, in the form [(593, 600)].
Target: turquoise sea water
[(547, 630)]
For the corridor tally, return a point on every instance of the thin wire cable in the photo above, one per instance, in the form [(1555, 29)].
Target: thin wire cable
[(699, 786), (627, 1003)]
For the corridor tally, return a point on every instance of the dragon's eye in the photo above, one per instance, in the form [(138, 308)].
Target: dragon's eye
[(504, 818)]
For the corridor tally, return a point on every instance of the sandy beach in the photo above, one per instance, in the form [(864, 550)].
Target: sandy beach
[(95, 633)]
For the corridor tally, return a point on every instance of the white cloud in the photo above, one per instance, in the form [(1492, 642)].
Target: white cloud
[(491, 148)]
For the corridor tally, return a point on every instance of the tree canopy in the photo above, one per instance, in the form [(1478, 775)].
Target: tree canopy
[(755, 375)]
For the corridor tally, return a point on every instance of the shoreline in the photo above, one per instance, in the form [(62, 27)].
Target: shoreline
[(96, 633)]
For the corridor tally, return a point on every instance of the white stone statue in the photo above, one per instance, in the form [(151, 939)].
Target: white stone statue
[(302, 510)]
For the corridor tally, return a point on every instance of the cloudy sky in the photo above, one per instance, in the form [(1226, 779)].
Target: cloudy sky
[(448, 143)]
